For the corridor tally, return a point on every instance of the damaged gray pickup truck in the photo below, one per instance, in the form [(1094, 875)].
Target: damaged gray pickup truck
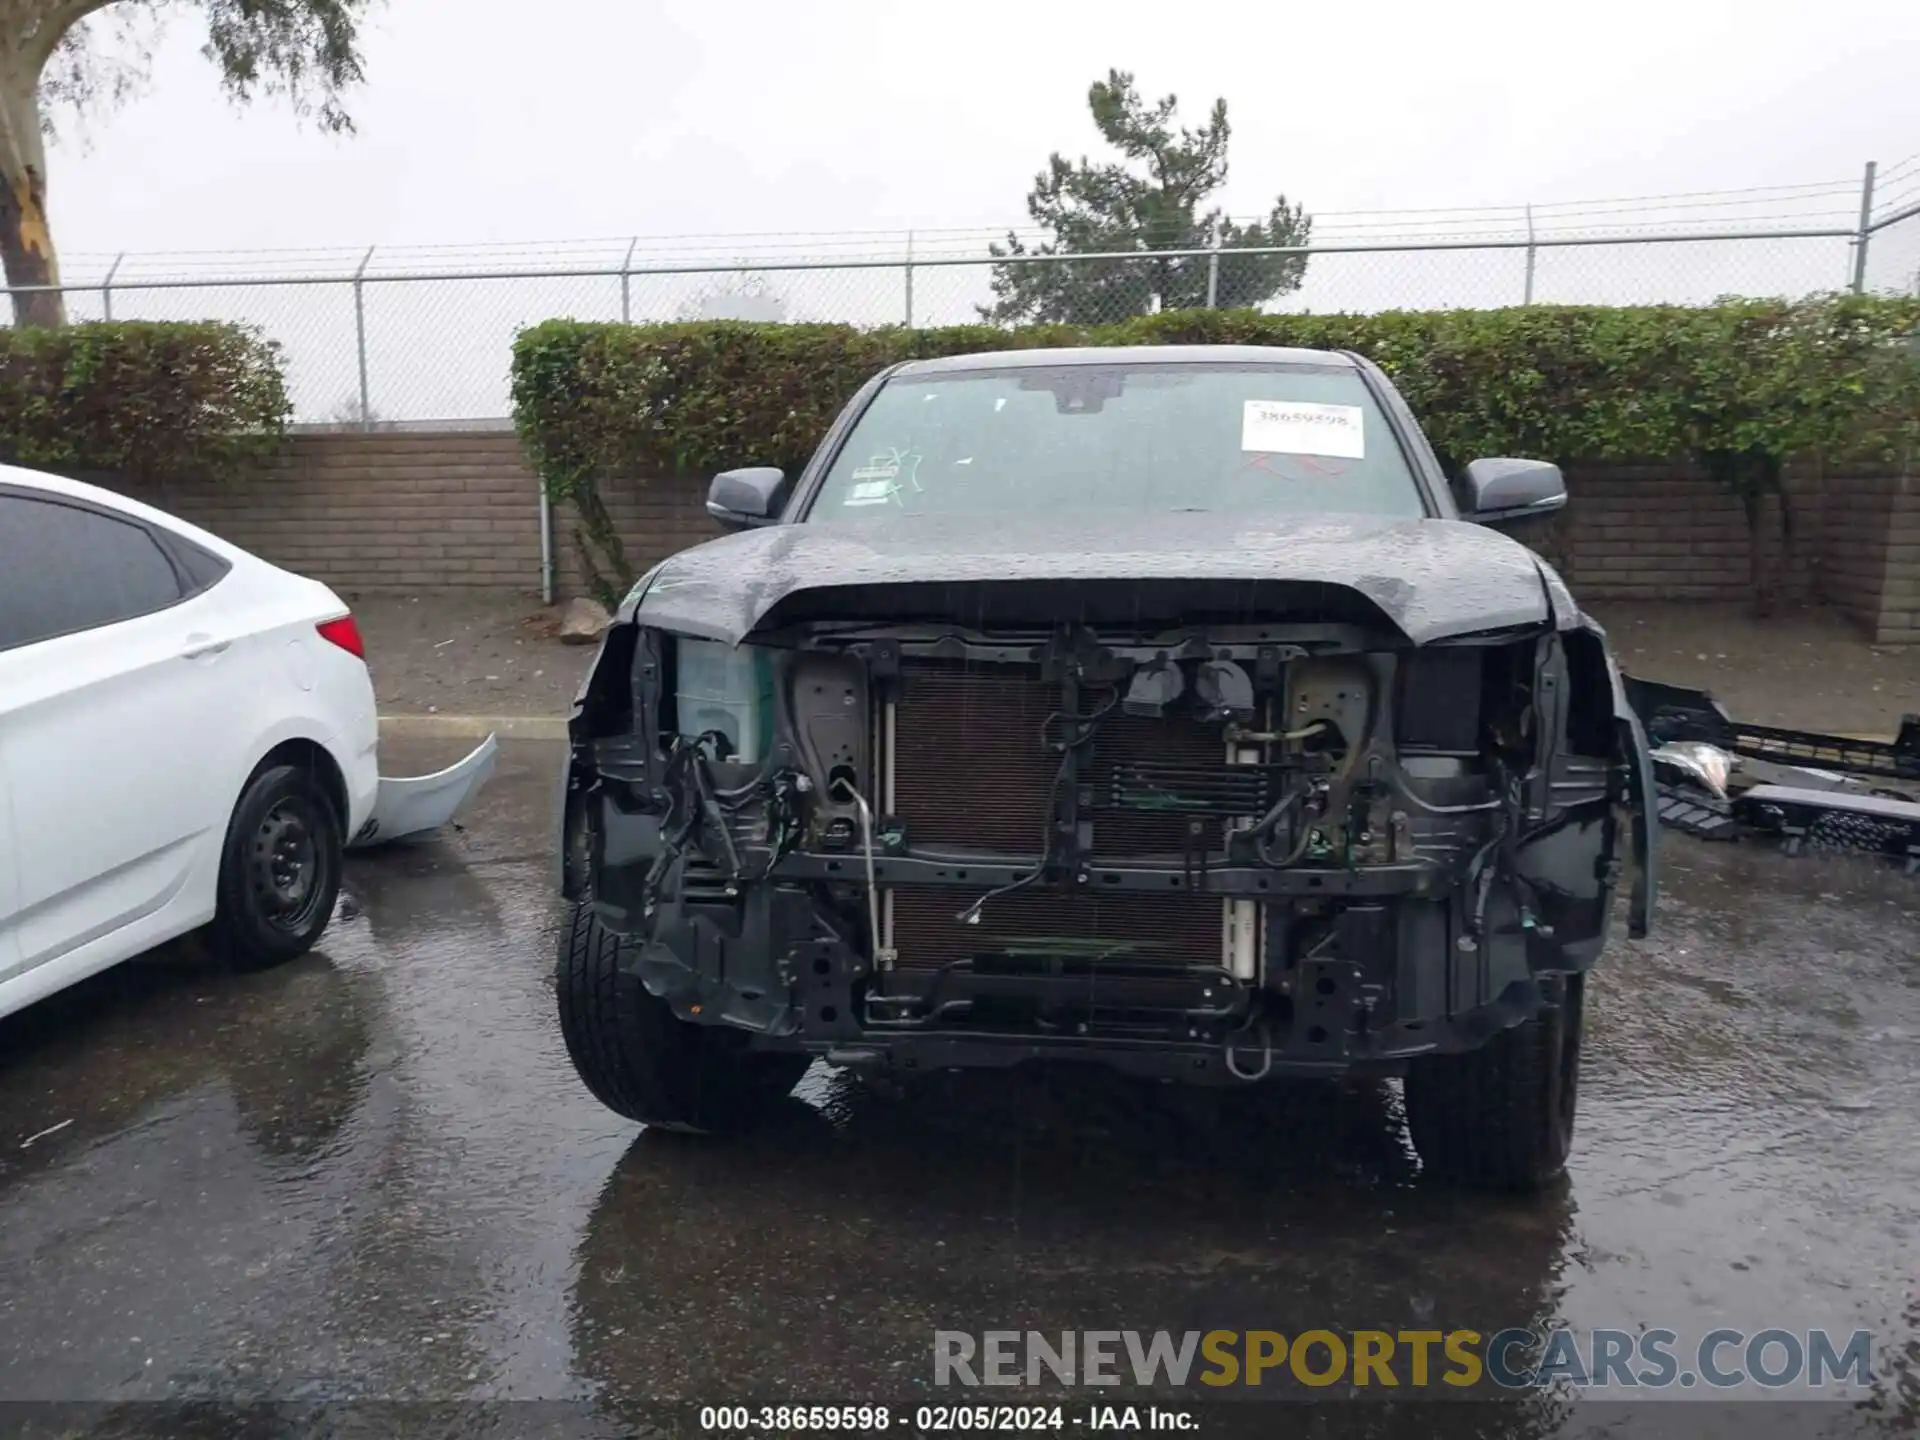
[(1164, 708)]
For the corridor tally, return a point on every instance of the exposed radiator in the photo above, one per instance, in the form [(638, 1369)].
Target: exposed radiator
[(1049, 931), (1163, 787), (970, 769), (968, 765)]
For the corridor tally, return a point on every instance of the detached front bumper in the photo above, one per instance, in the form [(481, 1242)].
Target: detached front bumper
[(408, 806)]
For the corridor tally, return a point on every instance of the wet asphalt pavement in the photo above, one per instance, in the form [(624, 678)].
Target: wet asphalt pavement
[(372, 1173)]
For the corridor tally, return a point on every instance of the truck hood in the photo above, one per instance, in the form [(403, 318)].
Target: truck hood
[(1431, 578)]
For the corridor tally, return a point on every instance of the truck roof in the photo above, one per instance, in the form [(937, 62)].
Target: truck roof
[(1126, 354)]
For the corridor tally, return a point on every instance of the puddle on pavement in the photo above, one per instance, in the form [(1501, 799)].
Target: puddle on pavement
[(373, 1171)]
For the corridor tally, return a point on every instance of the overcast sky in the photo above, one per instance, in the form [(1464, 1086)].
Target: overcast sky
[(488, 120)]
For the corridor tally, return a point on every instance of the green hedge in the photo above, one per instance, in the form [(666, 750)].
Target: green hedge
[(147, 400), (1740, 387)]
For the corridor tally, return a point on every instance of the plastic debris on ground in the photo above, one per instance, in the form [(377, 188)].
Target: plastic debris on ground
[(1724, 779)]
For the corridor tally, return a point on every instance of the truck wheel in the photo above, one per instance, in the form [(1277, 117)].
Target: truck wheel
[(1501, 1117), (642, 1061)]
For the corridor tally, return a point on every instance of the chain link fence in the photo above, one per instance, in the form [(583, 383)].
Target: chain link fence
[(422, 336), (1890, 262)]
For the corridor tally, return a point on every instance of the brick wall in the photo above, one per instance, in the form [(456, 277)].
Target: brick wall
[(379, 511), (409, 512), (654, 520), (1855, 550), (1898, 621), (1654, 532)]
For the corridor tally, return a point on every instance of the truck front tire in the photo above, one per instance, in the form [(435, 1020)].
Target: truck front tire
[(642, 1061), (1501, 1117)]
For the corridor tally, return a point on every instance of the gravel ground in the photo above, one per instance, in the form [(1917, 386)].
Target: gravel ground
[(488, 653), (1806, 670), (458, 653)]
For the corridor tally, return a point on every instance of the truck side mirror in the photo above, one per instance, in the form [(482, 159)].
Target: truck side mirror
[(743, 499), (1501, 489)]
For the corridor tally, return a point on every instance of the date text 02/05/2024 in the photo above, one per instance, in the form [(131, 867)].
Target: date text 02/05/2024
[(940, 1419)]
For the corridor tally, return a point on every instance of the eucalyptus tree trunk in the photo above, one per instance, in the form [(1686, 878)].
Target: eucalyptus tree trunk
[(305, 48), (29, 30)]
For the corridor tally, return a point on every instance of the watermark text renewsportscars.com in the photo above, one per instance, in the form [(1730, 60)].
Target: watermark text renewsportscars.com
[(1510, 1359)]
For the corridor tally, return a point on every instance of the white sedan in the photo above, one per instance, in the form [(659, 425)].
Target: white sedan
[(187, 738)]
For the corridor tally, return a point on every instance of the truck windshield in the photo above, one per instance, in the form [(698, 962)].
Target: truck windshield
[(1242, 438)]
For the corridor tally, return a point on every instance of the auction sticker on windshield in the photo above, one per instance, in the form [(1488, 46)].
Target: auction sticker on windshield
[(883, 478), (1300, 427), (871, 492)]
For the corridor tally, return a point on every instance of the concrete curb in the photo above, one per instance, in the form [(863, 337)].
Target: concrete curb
[(473, 727)]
